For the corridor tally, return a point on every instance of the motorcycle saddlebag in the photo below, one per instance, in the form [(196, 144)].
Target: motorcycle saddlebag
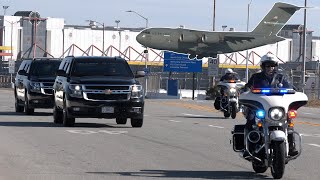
[(238, 137)]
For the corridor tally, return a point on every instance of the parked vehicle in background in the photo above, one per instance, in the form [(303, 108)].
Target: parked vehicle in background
[(33, 84), (97, 87)]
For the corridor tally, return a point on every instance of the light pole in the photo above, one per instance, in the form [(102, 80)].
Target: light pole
[(146, 51), (93, 23), (117, 22), (224, 27), (247, 52), (304, 47)]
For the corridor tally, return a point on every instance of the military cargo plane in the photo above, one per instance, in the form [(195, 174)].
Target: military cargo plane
[(210, 43)]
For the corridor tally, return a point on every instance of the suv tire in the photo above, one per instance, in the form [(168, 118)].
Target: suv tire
[(27, 109), (57, 115), (121, 120), (67, 121), (136, 122)]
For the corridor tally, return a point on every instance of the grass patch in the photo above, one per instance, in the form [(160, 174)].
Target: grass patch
[(313, 103)]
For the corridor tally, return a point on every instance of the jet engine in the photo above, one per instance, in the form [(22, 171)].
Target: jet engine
[(211, 38), (188, 38)]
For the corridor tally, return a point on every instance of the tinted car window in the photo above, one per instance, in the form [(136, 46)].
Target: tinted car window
[(44, 68), (101, 67)]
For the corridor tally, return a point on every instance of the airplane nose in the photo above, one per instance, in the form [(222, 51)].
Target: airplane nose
[(141, 38)]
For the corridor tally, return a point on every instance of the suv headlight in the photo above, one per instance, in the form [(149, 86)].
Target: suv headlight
[(75, 90), (35, 86), (136, 91), (276, 114)]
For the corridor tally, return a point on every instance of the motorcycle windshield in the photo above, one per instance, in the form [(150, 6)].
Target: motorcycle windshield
[(267, 101)]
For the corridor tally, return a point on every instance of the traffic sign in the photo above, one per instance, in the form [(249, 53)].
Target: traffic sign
[(176, 62), (11, 66), (213, 67)]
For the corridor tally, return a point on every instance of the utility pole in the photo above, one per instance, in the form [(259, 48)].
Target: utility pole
[(304, 47)]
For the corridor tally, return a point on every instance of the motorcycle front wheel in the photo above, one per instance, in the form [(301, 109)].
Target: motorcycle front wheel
[(278, 159), (233, 110)]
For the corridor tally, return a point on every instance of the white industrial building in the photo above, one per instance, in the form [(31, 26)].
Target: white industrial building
[(53, 38)]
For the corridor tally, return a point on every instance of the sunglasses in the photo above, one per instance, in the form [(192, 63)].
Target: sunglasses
[(268, 66)]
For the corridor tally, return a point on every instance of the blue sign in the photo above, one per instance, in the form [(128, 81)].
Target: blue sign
[(180, 63), (172, 89)]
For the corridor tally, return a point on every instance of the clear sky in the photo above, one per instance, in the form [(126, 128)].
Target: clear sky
[(193, 14)]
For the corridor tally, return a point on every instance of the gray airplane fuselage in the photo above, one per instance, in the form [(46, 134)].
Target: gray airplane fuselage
[(211, 43), (205, 43)]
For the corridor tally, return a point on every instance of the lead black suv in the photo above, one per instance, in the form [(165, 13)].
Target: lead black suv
[(33, 84), (97, 87)]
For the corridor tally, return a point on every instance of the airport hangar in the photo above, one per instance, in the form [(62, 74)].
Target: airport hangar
[(26, 35)]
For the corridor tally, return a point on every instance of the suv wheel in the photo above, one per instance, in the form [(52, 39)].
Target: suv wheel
[(57, 115), (18, 108), (27, 109), (121, 120), (136, 122), (67, 121)]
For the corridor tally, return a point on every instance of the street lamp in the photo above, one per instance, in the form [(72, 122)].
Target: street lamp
[(304, 47), (224, 27), (93, 23), (247, 52), (117, 22), (146, 51)]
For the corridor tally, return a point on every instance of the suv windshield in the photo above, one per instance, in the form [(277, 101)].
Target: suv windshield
[(101, 67), (44, 68)]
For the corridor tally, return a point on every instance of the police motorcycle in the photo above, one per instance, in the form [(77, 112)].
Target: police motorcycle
[(227, 102), (267, 143)]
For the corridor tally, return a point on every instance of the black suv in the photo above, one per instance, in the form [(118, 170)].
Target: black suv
[(97, 87), (33, 84)]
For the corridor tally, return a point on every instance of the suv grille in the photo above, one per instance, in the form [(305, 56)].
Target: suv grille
[(107, 96), (107, 87), (106, 92)]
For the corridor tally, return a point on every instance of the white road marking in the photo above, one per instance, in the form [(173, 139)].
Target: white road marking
[(174, 121), (310, 135), (308, 113), (316, 145), (220, 127), (82, 131), (86, 132), (196, 115)]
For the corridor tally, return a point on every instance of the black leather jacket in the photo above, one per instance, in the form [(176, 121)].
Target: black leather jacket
[(261, 80)]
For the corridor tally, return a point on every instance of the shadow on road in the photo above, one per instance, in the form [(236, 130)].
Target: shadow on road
[(51, 124), (189, 174), (22, 114)]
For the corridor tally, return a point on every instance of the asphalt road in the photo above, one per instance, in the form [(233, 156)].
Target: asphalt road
[(180, 139)]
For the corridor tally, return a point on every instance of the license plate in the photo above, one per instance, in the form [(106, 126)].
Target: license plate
[(107, 109)]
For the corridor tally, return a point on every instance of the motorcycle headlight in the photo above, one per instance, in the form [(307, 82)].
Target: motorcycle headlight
[(76, 90), (35, 86), (232, 90), (276, 114), (136, 91)]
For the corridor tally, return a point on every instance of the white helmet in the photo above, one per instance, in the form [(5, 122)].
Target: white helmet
[(268, 59), (228, 71)]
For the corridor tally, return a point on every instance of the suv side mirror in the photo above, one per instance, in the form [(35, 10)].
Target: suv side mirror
[(22, 72), (139, 74), (61, 72)]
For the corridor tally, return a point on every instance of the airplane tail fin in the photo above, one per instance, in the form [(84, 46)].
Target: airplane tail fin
[(277, 17)]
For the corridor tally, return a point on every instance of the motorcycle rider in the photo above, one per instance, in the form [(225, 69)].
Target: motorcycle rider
[(229, 75), (267, 78)]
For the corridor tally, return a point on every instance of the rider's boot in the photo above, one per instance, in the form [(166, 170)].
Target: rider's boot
[(292, 145)]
